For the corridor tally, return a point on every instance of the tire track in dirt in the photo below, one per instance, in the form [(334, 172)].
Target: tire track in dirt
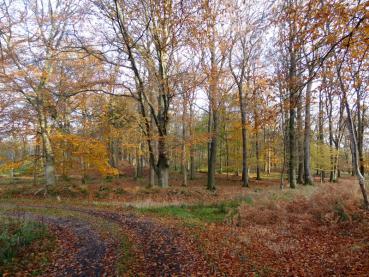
[(160, 250), (83, 252), (166, 251)]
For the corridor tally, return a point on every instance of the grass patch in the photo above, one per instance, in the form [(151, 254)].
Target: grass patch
[(15, 238), (125, 255), (198, 213)]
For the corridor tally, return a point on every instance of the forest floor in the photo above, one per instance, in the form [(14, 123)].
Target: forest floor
[(122, 228)]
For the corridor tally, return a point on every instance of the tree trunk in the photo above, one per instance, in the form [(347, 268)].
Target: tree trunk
[(36, 160), (292, 148), (139, 161), (48, 153), (320, 132), (332, 175), (163, 165), (269, 162), (184, 139), (152, 176), (137, 165), (258, 177), (245, 177), (355, 154), (212, 153), (227, 154), (192, 148), (141, 166), (213, 116), (285, 142), (360, 131), (192, 163), (220, 152), (292, 87), (308, 180), (300, 143)]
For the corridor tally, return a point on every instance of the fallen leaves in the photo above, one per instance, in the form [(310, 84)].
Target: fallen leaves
[(294, 237)]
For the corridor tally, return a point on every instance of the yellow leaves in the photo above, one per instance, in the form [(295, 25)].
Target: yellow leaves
[(73, 152), (321, 156), (6, 167)]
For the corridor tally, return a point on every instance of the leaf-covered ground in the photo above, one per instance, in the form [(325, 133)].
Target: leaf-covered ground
[(259, 231)]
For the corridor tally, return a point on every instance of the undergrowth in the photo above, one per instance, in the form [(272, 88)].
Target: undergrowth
[(329, 203), (15, 235)]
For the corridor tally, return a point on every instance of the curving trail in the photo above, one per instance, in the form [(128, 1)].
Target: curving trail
[(159, 250), (83, 252), (163, 250)]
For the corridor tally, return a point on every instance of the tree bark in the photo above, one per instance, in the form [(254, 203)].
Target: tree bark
[(245, 177), (152, 176), (355, 154), (292, 87), (320, 132), (184, 140), (332, 175), (212, 154), (292, 148), (300, 143), (163, 164), (308, 180), (360, 130), (48, 152), (36, 160), (258, 177), (192, 148)]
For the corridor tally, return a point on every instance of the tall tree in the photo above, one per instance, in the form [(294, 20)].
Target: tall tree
[(145, 35), (43, 26)]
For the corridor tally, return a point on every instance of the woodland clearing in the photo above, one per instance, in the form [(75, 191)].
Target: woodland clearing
[(184, 138)]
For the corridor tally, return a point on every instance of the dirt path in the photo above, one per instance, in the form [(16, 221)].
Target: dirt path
[(164, 251), (82, 250), (159, 250)]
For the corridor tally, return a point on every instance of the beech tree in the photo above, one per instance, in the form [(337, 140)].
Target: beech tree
[(247, 26), (146, 36), (33, 36)]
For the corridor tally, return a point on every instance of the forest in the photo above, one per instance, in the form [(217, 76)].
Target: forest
[(184, 137)]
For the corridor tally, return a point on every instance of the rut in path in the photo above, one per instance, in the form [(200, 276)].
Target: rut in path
[(160, 250), (83, 250), (167, 251)]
